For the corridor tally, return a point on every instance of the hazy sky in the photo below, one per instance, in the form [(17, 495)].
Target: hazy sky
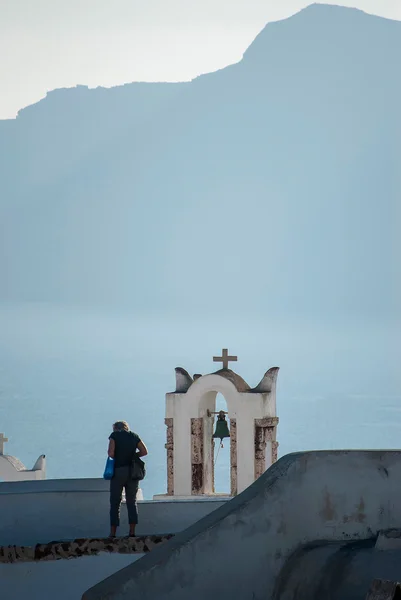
[(47, 44)]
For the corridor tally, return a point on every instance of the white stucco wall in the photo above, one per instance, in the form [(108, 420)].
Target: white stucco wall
[(62, 579), (305, 497), (32, 512)]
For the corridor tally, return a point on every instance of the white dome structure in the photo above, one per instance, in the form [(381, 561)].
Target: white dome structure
[(12, 469)]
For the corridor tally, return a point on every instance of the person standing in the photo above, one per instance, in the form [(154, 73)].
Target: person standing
[(123, 445)]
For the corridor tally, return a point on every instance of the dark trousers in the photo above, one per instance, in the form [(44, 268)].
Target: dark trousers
[(120, 480)]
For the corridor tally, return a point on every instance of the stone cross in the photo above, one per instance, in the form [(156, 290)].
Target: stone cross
[(225, 358), (2, 442)]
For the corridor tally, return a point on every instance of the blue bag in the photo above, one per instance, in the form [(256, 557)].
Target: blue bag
[(109, 469)]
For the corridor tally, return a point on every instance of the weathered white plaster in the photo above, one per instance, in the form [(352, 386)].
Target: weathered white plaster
[(242, 546), (197, 399)]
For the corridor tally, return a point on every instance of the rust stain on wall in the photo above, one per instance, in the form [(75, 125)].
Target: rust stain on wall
[(359, 516), (265, 431), (233, 457), (260, 451), (170, 456), (328, 512), (197, 455), (197, 479)]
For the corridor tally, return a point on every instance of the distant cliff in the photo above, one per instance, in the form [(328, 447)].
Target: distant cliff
[(273, 183)]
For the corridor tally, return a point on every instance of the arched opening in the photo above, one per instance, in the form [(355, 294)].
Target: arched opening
[(222, 482)]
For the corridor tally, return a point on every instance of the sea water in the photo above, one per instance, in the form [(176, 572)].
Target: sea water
[(67, 374)]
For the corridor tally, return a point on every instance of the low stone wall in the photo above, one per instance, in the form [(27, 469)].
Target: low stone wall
[(80, 547), (33, 512)]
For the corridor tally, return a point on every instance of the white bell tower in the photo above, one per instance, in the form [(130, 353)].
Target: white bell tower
[(190, 417)]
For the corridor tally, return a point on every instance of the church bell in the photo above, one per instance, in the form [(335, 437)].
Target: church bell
[(222, 430)]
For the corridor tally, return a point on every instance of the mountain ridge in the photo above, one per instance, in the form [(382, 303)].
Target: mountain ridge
[(313, 9), (280, 158)]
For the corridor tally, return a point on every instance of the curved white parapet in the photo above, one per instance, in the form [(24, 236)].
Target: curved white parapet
[(40, 464), (183, 380), (268, 382), (12, 469)]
